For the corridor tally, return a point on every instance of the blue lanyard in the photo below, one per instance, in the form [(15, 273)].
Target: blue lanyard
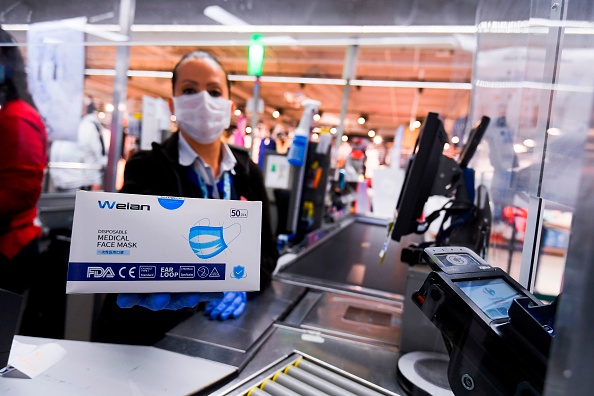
[(197, 179)]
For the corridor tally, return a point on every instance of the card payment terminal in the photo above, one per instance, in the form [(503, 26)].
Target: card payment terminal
[(497, 333)]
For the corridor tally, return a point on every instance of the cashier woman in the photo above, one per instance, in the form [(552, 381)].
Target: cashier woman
[(194, 162)]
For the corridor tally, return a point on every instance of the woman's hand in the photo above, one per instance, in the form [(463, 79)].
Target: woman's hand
[(168, 301), (232, 305)]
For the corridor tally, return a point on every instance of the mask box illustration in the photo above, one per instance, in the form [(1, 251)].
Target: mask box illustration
[(127, 243)]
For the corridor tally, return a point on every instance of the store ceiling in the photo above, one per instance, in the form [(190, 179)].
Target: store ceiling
[(386, 108), (415, 57)]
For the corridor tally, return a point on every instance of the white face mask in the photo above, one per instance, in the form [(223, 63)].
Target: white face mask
[(202, 117)]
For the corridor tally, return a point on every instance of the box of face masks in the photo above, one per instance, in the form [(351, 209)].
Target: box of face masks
[(126, 243)]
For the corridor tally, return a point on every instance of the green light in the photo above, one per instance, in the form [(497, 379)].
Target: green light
[(256, 56)]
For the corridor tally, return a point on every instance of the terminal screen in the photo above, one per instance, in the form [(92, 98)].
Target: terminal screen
[(493, 296)]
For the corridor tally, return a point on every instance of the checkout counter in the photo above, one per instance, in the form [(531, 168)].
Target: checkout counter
[(331, 321), (334, 316), (333, 309)]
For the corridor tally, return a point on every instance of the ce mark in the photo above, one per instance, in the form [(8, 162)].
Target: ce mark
[(130, 272)]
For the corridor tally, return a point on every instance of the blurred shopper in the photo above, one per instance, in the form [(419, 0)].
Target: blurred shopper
[(129, 147), (93, 144), (282, 142), (266, 144), (23, 158), (88, 154)]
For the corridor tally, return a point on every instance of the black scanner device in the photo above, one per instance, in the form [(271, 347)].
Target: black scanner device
[(497, 333)]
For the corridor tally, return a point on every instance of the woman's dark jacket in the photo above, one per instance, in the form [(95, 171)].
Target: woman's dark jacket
[(157, 172)]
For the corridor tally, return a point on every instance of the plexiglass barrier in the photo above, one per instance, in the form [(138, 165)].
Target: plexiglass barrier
[(532, 77)]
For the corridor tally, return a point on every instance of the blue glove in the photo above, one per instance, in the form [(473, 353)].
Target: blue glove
[(169, 301), (232, 305)]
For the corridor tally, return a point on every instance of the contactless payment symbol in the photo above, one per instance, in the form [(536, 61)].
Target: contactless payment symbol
[(456, 259), (238, 272)]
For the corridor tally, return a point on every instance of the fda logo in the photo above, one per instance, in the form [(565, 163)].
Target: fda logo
[(99, 272)]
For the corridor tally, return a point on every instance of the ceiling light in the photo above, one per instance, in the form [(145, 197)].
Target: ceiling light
[(520, 148), (130, 73), (529, 143), (237, 112), (317, 117), (315, 136), (362, 119), (412, 84), (446, 146), (300, 80), (109, 107), (232, 24), (101, 114), (248, 129), (378, 139), (554, 131), (455, 140), (173, 118), (279, 40), (323, 29), (275, 114), (333, 130), (414, 125), (345, 138), (371, 133), (224, 17), (289, 80)]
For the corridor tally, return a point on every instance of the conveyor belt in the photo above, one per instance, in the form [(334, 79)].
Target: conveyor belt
[(302, 375), (349, 261)]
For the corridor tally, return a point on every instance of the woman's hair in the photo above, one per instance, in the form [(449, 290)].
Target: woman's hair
[(198, 55), (14, 85)]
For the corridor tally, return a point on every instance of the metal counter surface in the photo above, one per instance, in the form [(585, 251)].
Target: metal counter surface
[(349, 261), (98, 369), (233, 341), (355, 317)]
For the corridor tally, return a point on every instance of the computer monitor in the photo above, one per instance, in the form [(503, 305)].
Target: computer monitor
[(474, 138), (420, 173)]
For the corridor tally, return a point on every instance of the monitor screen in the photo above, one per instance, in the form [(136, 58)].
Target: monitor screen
[(277, 171), (493, 296), (420, 174)]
